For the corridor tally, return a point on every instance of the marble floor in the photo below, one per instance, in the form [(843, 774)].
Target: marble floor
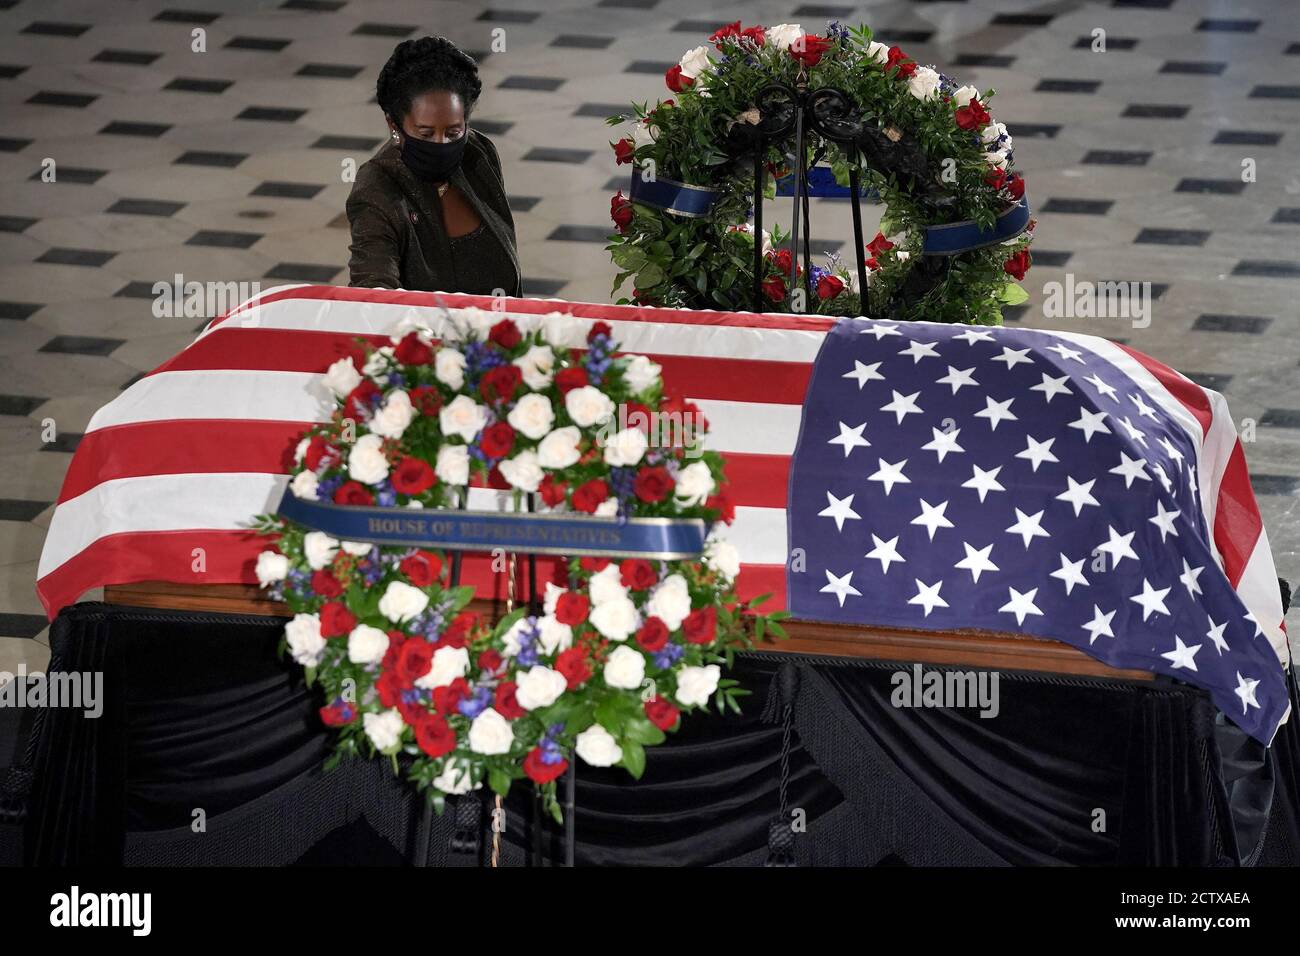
[(208, 138)]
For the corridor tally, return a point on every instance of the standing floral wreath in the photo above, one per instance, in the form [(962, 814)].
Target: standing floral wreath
[(611, 660), (933, 154)]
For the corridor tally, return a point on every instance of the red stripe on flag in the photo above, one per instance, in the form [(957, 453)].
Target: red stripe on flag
[(1191, 395)]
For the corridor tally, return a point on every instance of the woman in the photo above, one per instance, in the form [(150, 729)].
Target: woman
[(429, 210)]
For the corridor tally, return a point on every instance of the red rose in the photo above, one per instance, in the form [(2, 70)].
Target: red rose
[(653, 484), (567, 379), (599, 328), (972, 116), (700, 627), (422, 568), (872, 264), (353, 493), (721, 502), (434, 735), (326, 584), (389, 689), (638, 415), (411, 351), (489, 661), (500, 383), (456, 634), (361, 397), (587, 497), (997, 178), (318, 449), (336, 620), (505, 334), (497, 440), (505, 703), (637, 573), (572, 608), (623, 151), (783, 260), (1017, 265), (447, 698), (338, 714), (620, 210), (540, 772), (661, 713), (721, 33), (829, 286), (593, 565), (574, 666), (412, 476), (899, 60), (755, 33), (413, 661), (395, 641), (1016, 187), (653, 635), (427, 399), (774, 288), (808, 49), (879, 244), (552, 491), (676, 82)]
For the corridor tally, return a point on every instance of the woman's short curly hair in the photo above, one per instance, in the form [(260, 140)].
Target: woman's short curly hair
[(418, 66)]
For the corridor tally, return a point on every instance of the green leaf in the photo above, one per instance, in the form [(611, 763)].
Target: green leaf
[(633, 758), (1012, 294), (643, 731), (499, 780), (309, 675), (649, 276)]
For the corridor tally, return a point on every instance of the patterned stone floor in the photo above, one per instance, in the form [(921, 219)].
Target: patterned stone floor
[(226, 165)]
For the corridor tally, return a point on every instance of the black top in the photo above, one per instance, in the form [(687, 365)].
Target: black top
[(480, 264)]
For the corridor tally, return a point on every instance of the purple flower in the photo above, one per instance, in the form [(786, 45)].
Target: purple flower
[(475, 704), (669, 656)]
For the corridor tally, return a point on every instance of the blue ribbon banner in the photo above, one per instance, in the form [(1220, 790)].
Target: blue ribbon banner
[(669, 195), (955, 237), (574, 535), (822, 185)]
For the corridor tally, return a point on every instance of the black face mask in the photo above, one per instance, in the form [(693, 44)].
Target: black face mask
[(432, 161)]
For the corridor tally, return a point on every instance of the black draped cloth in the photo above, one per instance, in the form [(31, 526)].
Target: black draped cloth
[(209, 751)]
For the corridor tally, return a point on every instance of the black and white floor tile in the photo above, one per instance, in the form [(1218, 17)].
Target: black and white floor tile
[(226, 165)]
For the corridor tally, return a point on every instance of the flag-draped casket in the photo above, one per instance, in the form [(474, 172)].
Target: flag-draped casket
[(910, 474)]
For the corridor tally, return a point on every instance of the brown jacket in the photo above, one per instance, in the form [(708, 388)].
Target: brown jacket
[(398, 237)]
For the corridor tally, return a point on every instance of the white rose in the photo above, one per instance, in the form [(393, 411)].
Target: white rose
[(552, 635), (384, 730), (993, 132), (303, 637), (510, 639), (532, 415), (537, 366), (319, 549), (695, 62), (616, 620), (924, 83), (449, 367), (878, 51), (783, 35), (641, 374), (391, 420), (271, 567), (540, 687), (522, 471), (597, 747), (300, 451), (607, 508), (455, 779), (694, 484), (670, 601), (473, 322), (643, 134), (377, 362), (607, 585), (996, 158), (304, 485), (463, 417), (551, 599), (625, 668), (401, 602), (453, 464), (367, 645), (695, 685), (366, 461), (564, 331), (964, 94), (559, 449), (490, 733), (411, 322), (357, 549), (626, 448), (721, 555), (342, 377), (448, 664), (588, 406)]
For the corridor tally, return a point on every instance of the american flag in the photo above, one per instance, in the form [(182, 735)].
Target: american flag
[(1042, 483), (168, 474)]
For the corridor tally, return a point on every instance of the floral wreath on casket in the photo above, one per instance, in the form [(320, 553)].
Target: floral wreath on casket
[(956, 229), (607, 664)]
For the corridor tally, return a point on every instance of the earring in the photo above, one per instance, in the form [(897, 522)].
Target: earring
[(396, 138)]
